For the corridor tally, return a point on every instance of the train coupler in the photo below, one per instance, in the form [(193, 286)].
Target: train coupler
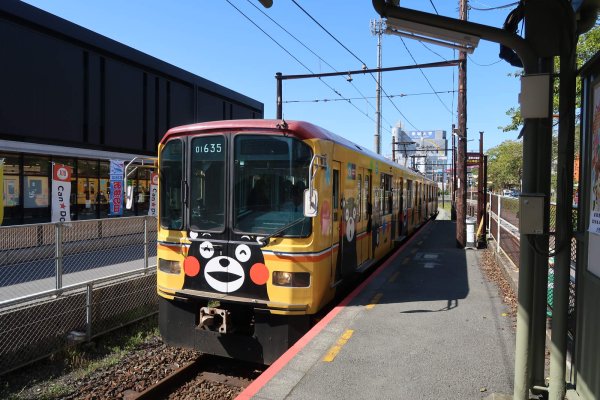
[(215, 319)]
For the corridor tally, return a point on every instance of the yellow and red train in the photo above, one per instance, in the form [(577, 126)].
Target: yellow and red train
[(262, 221)]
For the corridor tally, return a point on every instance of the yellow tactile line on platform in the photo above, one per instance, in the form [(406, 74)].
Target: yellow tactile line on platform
[(335, 349), (374, 301)]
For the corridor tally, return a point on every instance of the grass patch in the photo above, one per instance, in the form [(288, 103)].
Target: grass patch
[(46, 379)]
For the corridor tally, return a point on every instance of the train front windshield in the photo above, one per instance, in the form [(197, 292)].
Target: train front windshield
[(269, 176)]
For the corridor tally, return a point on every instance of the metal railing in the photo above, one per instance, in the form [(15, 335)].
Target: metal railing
[(504, 228), (87, 278)]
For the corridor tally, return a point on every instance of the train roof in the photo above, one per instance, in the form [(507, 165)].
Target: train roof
[(302, 129)]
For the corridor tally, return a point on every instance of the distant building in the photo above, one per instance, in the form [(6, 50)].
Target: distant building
[(72, 96), (405, 146), (424, 151)]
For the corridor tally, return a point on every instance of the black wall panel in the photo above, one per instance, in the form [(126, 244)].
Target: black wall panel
[(181, 105), (123, 102), (41, 83), (240, 112), (65, 85), (210, 107), (94, 89)]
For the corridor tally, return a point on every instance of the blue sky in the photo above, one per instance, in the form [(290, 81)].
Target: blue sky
[(212, 39)]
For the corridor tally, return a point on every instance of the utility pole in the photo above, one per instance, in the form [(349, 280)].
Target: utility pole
[(453, 198), (377, 29), (461, 142)]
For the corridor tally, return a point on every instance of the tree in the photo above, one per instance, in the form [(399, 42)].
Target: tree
[(587, 46), (505, 165)]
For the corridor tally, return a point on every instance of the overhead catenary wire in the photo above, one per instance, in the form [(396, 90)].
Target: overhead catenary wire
[(425, 76), (369, 97), (434, 9), (493, 8), (484, 65), (354, 55), (295, 58), (310, 50)]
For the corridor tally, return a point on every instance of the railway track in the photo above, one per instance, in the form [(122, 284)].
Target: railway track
[(207, 377)]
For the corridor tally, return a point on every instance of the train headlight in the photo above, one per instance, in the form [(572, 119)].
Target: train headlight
[(169, 266), (291, 279)]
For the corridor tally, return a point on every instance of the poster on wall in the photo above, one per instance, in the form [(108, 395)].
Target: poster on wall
[(116, 187), (153, 206), (36, 192), (61, 193), (594, 228)]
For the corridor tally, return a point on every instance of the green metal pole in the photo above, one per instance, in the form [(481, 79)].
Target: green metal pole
[(526, 261), (564, 226)]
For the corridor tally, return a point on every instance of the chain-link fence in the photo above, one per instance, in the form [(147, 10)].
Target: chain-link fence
[(504, 228), (71, 282)]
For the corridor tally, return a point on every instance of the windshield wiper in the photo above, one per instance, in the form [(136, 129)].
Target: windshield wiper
[(264, 240)]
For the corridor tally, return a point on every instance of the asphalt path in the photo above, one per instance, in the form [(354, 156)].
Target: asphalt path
[(26, 278)]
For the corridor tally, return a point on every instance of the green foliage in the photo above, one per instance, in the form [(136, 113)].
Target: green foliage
[(504, 165)]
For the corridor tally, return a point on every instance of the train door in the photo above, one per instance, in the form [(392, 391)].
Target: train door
[(408, 209), (360, 220), (401, 220), (336, 212), (367, 216)]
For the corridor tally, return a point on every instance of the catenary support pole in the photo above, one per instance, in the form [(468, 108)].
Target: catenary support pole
[(461, 143), (453, 205), (279, 104)]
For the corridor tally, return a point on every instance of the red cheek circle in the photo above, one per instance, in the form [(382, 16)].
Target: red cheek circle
[(191, 266), (259, 274)]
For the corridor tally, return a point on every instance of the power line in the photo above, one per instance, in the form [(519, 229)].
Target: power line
[(433, 51), (370, 97), (306, 47), (329, 33), (355, 56), (483, 65), (493, 8), (297, 60), (424, 76), (433, 5)]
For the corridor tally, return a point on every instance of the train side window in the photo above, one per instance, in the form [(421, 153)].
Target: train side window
[(359, 200), (367, 197), (336, 194)]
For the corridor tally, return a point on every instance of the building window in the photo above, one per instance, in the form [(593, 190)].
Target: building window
[(142, 197), (36, 177), (87, 189), (12, 189)]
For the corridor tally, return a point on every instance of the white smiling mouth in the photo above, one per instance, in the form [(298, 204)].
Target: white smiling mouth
[(224, 274)]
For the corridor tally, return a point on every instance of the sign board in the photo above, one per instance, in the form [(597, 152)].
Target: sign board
[(421, 134), (473, 159), (593, 263)]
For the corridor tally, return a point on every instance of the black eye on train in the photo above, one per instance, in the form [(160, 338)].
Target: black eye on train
[(242, 253), (206, 249)]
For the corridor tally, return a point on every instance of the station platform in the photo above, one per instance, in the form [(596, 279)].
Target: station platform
[(425, 325)]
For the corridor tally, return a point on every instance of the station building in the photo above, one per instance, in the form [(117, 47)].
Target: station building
[(75, 97)]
